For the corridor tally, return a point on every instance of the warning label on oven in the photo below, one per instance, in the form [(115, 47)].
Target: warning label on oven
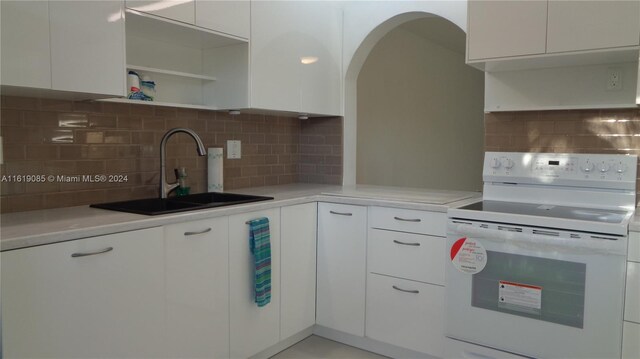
[(468, 255), (520, 297)]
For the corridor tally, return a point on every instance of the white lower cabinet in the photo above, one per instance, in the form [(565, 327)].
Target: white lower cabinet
[(405, 280), (197, 285), (95, 297), (405, 313), (342, 248), (298, 261), (252, 328), (631, 340)]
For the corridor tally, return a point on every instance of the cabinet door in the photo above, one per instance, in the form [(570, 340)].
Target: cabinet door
[(342, 234), (406, 313), (26, 57), (184, 11), (87, 46), (275, 62), (298, 247), (110, 304), (320, 55), (230, 17), (586, 25), (197, 255), (506, 28), (630, 342), (253, 328)]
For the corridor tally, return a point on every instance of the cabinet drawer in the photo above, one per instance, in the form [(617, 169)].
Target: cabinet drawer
[(454, 349), (632, 293), (405, 313), (630, 342), (405, 255), (407, 220), (634, 247)]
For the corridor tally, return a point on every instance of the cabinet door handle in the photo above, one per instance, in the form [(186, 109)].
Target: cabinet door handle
[(341, 213), (84, 254), (407, 219), (406, 290), (416, 244), (199, 232)]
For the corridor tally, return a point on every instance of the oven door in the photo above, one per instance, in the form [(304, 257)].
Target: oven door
[(546, 298)]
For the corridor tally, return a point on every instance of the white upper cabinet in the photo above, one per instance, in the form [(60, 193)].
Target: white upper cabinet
[(275, 65), (321, 57), (528, 34), (586, 25), (87, 46), (506, 28), (230, 17), (26, 56), (296, 51), (179, 10)]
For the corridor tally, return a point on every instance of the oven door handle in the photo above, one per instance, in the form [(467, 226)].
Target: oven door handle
[(542, 242)]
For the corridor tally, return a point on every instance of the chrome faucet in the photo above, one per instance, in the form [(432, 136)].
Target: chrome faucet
[(165, 187)]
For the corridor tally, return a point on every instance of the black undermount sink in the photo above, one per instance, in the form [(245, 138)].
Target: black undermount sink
[(154, 206)]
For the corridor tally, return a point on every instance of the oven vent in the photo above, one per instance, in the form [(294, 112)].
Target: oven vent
[(546, 233), (510, 229), (607, 238)]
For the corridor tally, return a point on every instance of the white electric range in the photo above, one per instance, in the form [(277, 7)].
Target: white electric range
[(537, 268)]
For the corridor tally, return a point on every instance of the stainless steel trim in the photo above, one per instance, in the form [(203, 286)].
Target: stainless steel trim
[(341, 213), (407, 219), (199, 232), (84, 254), (413, 291), (406, 244)]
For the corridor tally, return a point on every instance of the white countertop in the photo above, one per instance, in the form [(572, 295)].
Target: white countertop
[(26, 229)]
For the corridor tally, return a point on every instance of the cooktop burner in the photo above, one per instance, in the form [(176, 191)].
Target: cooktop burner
[(551, 211)]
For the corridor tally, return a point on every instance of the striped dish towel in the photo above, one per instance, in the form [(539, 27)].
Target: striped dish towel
[(260, 244)]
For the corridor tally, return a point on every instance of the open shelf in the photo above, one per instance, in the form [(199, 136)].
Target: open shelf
[(192, 67), (157, 103), (170, 72)]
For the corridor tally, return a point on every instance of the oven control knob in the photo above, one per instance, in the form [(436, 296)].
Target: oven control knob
[(507, 163), (621, 168), (604, 167), (494, 163), (587, 167)]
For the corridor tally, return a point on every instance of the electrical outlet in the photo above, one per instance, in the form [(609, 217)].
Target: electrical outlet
[(234, 149), (614, 80)]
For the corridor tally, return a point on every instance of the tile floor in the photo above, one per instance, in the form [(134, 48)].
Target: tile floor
[(315, 347)]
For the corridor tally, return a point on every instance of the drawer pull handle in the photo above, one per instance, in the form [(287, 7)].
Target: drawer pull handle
[(84, 254), (341, 213), (407, 219), (416, 244), (406, 290), (199, 232)]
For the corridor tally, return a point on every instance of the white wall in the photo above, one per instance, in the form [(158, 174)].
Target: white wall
[(420, 114), (365, 22)]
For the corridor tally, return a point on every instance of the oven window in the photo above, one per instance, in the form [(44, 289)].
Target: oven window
[(539, 288)]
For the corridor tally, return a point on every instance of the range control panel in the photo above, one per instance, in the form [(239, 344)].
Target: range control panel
[(573, 169)]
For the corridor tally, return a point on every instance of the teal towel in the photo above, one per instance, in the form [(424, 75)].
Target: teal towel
[(260, 245)]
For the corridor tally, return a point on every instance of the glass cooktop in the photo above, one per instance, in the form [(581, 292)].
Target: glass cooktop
[(551, 211)]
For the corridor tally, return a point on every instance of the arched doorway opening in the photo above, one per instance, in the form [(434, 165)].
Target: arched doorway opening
[(413, 109)]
